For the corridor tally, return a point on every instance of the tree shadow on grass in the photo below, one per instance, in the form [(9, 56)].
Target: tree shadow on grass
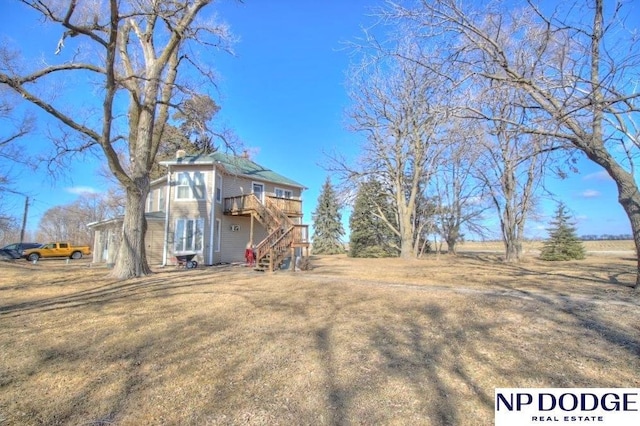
[(583, 310), (380, 355), (416, 358), (152, 286)]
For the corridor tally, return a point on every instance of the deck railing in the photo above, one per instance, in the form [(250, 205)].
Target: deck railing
[(288, 206), (300, 233), (240, 204)]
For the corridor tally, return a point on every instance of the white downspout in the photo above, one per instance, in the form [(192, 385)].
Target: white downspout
[(167, 205), (213, 214)]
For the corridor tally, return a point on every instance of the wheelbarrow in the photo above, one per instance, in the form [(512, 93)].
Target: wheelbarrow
[(186, 260)]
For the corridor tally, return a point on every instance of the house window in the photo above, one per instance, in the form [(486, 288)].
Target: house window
[(218, 188), (284, 193), (150, 201), (190, 186), (188, 235), (161, 200), (218, 229)]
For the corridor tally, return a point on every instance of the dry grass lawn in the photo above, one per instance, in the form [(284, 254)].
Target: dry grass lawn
[(354, 341)]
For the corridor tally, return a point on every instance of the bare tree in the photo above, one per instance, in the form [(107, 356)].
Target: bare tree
[(7, 220), (577, 66), (8, 224), (12, 130), (69, 222), (396, 104), (459, 194), (511, 167), (54, 225), (134, 52)]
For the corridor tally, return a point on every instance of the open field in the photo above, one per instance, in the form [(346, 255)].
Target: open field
[(603, 247), (353, 341)]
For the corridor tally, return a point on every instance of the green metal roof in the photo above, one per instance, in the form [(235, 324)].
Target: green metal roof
[(235, 165)]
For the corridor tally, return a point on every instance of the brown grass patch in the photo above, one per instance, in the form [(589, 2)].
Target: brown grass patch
[(353, 341)]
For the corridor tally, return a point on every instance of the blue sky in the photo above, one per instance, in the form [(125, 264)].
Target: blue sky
[(283, 94)]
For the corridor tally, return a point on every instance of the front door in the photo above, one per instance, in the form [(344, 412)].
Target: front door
[(258, 191)]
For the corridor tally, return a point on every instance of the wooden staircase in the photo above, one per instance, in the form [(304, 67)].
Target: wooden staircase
[(271, 254), (284, 234)]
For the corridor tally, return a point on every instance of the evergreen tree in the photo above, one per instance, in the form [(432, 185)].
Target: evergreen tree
[(327, 222), (370, 235), (563, 243)]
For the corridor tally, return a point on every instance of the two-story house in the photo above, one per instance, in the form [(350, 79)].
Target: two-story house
[(213, 206)]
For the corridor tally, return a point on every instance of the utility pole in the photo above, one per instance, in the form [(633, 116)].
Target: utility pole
[(24, 219)]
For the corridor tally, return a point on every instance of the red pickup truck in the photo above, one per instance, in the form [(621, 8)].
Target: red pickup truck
[(56, 250)]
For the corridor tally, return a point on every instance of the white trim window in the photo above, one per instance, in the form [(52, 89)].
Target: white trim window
[(190, 186), (150, 201), (161, 199), (218, 188), (283, 193), (188, 235)]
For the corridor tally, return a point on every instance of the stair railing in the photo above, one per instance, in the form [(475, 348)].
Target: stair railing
[(273, 207), (265, 215), (263, 247), (283, 232), (277, 248)]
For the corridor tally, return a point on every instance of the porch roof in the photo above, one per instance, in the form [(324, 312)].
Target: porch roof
[(151, 216)]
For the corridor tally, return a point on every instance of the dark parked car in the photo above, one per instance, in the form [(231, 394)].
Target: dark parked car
[(14, 251)]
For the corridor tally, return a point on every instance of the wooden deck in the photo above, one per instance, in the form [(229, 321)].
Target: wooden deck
[(275, 213), (244, 205)]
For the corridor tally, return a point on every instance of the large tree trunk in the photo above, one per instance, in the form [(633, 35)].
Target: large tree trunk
[(628, 197), (132, 258), (406, 229), (453, 235), (407, 250), (630, 201), (512, 250), (451, 245), (511, 237)]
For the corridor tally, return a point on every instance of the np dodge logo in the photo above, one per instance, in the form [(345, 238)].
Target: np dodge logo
[(599, 406)]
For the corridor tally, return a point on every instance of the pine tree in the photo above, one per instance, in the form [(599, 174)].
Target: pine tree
[(370, 236), (327, 223), (563, 244)]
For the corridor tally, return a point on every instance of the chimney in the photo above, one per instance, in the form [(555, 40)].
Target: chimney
[(180, 154)]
